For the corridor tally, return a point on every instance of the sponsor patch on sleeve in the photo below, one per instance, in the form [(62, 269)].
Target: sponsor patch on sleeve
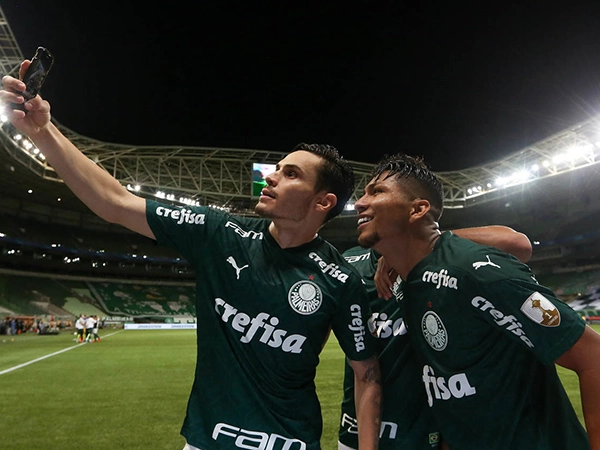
[(541, 310)]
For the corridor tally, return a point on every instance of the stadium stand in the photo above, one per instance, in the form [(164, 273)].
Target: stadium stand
[(68, 298), (580, 288), (140, 300)]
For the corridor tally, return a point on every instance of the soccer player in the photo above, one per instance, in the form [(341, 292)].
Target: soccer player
[(486, 334), (96, 336), (90, 323), (80, 327), (406, 421), (269, 290)]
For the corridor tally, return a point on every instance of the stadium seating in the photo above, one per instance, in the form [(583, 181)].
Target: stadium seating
[(67, 298)]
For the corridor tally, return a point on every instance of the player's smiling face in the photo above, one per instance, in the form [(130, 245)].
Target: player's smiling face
[(383, 211), (290, 191)]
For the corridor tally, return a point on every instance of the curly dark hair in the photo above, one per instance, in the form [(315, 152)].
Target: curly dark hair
[(336, 175), (414, 172)]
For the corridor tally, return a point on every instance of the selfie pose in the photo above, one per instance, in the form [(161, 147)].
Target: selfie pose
[(269, 291)]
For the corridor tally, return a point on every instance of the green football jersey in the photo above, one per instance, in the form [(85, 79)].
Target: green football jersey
[(406, 420), (263, 316), (487, 335)]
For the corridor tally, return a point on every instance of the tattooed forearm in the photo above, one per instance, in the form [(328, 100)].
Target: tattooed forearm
[(372, 373)]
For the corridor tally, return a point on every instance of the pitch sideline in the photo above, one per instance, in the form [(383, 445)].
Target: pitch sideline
[(41, 358)]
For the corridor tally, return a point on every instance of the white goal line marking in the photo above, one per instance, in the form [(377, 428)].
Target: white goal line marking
[(41, 358)]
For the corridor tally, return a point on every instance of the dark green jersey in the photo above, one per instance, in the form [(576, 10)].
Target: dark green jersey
[(263, 316), (487, 335), (406, 421)]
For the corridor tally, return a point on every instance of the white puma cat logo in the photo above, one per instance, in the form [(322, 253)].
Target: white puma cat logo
[(479, 264), (232, 261)]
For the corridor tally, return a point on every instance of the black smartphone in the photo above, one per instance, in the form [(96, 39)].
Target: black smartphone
[(41, 63)]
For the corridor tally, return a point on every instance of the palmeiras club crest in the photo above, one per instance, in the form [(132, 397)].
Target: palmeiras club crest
[(305, 297)]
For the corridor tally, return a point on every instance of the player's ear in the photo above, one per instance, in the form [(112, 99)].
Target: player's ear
[(419, 209), (326, 201)]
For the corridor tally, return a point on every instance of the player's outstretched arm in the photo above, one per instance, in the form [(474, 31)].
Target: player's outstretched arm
[(584, 359), (102, 193), (499, 236), (367, 397)]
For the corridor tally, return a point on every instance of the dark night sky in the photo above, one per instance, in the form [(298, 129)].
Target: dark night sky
[(459, 85)]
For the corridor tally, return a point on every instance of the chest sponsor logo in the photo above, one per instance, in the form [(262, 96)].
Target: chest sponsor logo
[(434, 331), (488, 262), (440, 388), (231, 260), (541, 310), (510, 322), (381, 327), (440, 279), (181, 215), (243, 233), (305, 297), (331, 269), (258, 440), (263, 327)]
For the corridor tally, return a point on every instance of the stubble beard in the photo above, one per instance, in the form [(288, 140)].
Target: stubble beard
[(297, 213), (258, 210), (266, 213), (368, 240)]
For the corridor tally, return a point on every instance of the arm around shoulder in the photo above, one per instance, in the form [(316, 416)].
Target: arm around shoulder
[(499, 236)]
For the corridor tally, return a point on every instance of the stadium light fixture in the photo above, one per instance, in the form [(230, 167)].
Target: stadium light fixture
[(135, 188)]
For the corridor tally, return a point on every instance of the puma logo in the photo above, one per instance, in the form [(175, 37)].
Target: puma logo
[(479, 264), (232, 261)]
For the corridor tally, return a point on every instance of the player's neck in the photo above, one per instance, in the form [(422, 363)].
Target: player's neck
[(291, 236), (405, 253)]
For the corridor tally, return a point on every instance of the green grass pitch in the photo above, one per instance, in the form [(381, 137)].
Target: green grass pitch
[(128, 391)]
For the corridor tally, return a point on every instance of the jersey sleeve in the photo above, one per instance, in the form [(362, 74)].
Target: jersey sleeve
[(351, 322), (184, 228), (526, 311)]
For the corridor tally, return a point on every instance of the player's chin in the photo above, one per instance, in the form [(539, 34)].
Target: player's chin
[(367, 240), (262, 210)]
